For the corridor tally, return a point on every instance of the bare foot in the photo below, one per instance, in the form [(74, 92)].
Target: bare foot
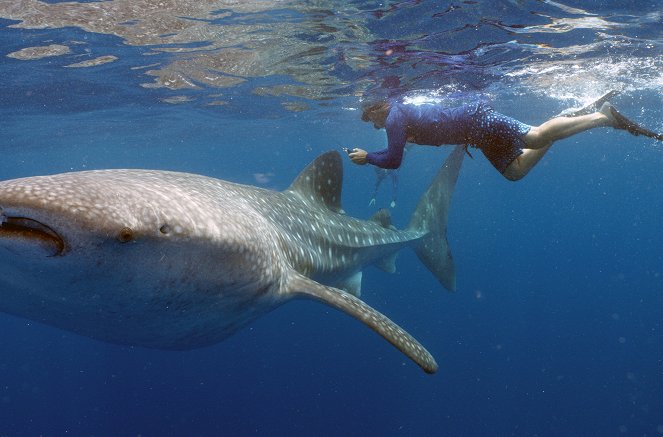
[(606, 109), (618, 121)]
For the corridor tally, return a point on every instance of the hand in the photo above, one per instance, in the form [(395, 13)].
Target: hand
[(358, 156)]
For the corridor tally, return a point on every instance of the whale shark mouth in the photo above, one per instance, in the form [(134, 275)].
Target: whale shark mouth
[(31, 232)]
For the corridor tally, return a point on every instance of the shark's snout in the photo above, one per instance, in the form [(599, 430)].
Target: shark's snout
[(23, 235)]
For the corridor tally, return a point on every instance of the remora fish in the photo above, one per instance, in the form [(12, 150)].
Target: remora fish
[(178, 261)]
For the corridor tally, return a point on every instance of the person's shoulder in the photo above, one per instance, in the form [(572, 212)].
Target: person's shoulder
[(395, 105), (397, 111)]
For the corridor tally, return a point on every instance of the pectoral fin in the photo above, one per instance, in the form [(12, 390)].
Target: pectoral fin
[(302, 286)]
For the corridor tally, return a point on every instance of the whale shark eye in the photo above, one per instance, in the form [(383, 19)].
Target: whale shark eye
[(125, 235)]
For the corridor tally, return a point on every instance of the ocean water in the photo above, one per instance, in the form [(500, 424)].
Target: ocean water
[(555, 329)]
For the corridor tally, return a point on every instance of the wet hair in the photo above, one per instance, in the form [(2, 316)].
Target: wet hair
[(374, 106)]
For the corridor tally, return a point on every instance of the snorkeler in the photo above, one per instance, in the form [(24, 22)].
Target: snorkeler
[(512, 147)]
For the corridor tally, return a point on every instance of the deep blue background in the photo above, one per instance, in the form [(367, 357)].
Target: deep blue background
[(555, 328)]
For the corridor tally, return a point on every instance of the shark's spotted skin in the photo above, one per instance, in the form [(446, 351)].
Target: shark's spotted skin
[(177, 261)]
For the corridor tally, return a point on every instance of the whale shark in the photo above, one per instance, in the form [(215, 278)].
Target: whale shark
[(170, 260)]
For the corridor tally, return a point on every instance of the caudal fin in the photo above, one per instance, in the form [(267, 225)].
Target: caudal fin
[(431, 216)]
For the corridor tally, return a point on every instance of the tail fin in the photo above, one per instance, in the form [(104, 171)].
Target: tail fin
[(431, 216)]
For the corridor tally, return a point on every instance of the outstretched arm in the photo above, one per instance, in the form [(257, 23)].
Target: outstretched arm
[(389, 158), (392, 156)]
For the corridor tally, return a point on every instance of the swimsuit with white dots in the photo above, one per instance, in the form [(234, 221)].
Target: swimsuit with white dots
[(499, 137)]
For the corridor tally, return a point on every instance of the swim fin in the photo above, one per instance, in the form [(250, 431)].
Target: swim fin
[(594, 106), (633, 128)]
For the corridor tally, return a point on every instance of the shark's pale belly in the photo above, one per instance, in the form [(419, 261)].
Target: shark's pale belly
[(178, 305)]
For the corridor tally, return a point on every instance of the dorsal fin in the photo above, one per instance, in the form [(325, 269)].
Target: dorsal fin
[(322, 181), (298, 285)]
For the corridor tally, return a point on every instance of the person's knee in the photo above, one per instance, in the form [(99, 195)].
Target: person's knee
[(515, 172), (534, 138), (513, 177)]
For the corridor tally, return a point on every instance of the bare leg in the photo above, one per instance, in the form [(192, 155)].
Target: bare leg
[(563, 127), (541, 138), (519, 168)]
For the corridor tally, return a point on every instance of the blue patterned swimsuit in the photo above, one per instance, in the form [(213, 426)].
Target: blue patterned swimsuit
[(499, 137)]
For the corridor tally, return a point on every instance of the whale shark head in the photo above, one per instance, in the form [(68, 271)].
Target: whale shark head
[(85, 251), (62, 213), (69, 214)]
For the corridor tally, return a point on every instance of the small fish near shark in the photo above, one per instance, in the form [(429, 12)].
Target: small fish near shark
[(171, 260)]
